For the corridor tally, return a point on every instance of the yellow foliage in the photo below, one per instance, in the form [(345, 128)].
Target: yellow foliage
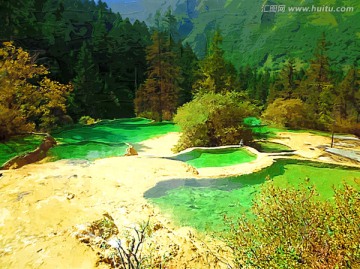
[(291, 113), (291, 228), (28, 99)]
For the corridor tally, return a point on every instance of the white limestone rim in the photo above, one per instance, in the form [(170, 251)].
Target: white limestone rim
[(262, 161), (252, 150)]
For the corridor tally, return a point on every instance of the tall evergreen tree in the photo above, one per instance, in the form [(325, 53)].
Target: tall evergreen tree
[(285, 83), (217, 74), (87, 84), (247, 79), (262, 86), (189, 65), (158, 97), (185, 58), (316, 89), (17, 19), (171, 24), (101, 41), (348, 95)]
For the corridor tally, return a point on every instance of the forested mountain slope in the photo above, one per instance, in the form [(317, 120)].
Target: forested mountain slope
[(266, 38)]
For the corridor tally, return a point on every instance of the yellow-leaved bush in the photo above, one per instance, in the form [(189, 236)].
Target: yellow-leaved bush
[(29, 100), (294, 228)]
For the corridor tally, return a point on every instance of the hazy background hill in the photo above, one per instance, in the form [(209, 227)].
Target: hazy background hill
[(257, 38)]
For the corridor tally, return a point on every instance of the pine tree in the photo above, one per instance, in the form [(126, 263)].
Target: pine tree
[(247, 78), (17, 19), (158, 97), (189, 65), (285, 83), (348, 95), (217, 74), (53, 27), (317, 75), (316, 89), (100, 40), (87, 84), (170, 24), (262, 86), (185, 58)]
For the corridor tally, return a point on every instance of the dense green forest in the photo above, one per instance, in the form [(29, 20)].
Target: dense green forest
[(255, 37), (85, 43), (109, 67)]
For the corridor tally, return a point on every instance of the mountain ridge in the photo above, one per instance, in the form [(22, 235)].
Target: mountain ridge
[(266, 39)]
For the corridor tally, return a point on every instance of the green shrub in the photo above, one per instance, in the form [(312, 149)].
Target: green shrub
[(292, 228), (214, 120)]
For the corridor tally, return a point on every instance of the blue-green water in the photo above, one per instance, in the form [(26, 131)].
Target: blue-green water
[(105, 139), (204, 203), (18, 146), (271, 147), (200, 158)]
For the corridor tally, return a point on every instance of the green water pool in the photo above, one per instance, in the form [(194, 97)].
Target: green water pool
[(203, 203), (17, 146), (105, 139), (201, 158), (271, 147)]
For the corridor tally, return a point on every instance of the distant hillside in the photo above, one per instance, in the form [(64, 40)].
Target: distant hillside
[(265, 38), (142, 10)]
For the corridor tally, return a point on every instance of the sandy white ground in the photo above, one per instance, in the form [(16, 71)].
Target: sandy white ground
[(42, 204)]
